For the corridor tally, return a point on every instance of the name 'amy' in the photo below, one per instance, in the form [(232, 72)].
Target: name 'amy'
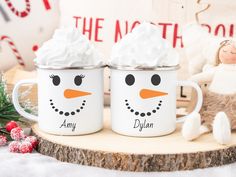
[(142, 124), (68, 125)]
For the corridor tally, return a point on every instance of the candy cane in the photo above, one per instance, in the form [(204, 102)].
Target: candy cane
[(19, 13), (14, 49)]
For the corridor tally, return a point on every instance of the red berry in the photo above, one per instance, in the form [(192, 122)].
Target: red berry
[(10, 125), (3, 140), (17, 133), (14, 146), (26, 147), (32, 140)]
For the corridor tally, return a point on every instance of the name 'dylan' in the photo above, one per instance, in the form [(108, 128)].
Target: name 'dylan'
[(140, 125)]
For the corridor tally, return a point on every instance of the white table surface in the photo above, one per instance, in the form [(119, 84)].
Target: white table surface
[(37, 165)]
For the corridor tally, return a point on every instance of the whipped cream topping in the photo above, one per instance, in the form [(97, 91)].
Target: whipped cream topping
[(144, 47), (68, 48)]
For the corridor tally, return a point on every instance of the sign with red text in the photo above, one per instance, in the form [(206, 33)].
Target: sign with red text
[(24, 26), (104, 22)]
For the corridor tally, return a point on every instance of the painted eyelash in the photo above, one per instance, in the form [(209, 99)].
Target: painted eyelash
[(81, 75), (51, 76)]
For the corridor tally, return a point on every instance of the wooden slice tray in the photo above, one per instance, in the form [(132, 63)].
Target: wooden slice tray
[(109, 150)]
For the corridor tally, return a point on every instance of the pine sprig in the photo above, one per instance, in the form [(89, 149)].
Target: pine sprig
[(7, 110)]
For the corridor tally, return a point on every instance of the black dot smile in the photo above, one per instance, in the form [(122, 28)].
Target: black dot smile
[(142, 114), (67, 113)]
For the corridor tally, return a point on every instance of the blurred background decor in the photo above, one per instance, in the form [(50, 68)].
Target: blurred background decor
[(24, 26)]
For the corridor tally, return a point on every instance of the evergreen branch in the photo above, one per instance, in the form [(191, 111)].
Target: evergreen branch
[(7, 109)]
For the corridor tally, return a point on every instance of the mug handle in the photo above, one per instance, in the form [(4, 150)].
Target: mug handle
[(199, 98), (15, 99)]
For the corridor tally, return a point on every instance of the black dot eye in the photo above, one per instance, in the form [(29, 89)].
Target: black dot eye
[(56, 80), (129, 79), (156, 79), (78, 80)]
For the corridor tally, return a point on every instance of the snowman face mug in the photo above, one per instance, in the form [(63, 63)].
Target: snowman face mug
[(70, 100), (143, 101)]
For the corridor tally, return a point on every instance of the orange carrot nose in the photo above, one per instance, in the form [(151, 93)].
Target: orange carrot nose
[(146, 93), (69, 93)]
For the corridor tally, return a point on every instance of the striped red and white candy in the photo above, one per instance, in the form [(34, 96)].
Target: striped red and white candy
[(13, 48), (18, 13)]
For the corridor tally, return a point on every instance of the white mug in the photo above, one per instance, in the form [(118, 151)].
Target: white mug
[(143, 101), (70, 100)]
